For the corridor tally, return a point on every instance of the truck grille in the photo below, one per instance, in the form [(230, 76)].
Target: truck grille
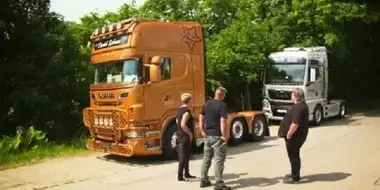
[(113, 148), (105, 123), (280, 105), (280, 94)]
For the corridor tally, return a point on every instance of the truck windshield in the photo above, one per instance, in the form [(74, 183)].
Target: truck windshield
[(285, 73), (123, 71)]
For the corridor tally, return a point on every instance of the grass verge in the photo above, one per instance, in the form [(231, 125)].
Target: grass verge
[(42, 152)]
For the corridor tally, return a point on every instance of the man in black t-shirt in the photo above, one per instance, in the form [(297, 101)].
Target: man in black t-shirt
[(294, 129), (213, 125)]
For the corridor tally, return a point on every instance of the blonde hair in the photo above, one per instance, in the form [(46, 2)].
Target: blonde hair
[(222, 89), (185, 98), (299, 94)]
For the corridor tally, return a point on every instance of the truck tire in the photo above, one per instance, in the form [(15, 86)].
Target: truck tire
[(238, 131), (259, 128), (170, 143), (342, 110), (317, 115)]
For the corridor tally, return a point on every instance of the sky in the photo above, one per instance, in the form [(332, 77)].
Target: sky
[(72, 10)]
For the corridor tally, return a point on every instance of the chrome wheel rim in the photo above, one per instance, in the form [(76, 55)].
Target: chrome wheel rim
[(258, 127), (173, 141), (237, 129), (342, 110), (318, 115)]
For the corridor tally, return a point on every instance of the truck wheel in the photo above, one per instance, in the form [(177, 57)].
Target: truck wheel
[(260, 126), (238, 131), (170, 143), (317, 115), (342, 110)]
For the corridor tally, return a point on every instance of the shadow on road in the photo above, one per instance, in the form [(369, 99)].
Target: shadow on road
[(262, 181), (330, 122), (326, 177), (254, 181), (368, 113), (198, 155)]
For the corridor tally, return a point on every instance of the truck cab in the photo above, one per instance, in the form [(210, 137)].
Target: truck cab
[(141, 69), (305, 68)]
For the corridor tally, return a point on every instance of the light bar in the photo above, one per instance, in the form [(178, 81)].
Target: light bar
[(113, 26), (110, 28), (118, 26)]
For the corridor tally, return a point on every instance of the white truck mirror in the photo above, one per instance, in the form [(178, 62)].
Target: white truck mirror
[(313, 74)]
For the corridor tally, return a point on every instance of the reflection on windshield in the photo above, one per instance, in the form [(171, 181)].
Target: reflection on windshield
[(125, 71), (285, 73)]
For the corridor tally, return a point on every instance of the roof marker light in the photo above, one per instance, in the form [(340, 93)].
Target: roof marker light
[(110, 28), (96, 32), (118, 26)]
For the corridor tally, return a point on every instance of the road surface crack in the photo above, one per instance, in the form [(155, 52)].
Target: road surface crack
[(72, 182), (377, 182)]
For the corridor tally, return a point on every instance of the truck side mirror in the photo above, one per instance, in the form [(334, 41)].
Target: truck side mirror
[(312, 75), (155, 69)]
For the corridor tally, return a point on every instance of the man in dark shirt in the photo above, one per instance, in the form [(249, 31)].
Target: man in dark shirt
[(213, 125), (294, 129)]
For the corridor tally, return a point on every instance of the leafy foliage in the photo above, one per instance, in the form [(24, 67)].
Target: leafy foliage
[(22, 141)]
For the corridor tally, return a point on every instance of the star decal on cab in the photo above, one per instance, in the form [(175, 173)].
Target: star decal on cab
[(190, 36)]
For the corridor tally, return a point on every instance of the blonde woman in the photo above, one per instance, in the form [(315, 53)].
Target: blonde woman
[(185, 123)]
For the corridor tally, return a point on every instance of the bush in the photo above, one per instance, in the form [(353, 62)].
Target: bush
[(22, 141)]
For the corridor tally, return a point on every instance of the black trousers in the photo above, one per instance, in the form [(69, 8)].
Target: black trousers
[(184, 150), (293, 147)]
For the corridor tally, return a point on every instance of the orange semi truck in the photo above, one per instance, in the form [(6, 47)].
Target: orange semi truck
[(141, 69)]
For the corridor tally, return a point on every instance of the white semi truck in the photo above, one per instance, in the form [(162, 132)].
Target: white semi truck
[(305, 68)]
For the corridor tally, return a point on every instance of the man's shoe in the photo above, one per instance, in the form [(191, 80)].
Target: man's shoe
[(290, 180), (188, 176), (287, 176), (222, 187), (181, 179), (205, 184)]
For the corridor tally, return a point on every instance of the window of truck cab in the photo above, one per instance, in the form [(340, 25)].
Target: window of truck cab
[(165, 65), (126, 71), (317, 66)]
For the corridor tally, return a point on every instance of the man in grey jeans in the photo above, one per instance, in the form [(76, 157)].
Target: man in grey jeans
[(213, 125)]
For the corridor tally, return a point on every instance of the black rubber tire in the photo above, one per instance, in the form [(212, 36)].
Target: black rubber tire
[(169, 152), (259, 137), (340, 115), (317, 108), (237, 141)]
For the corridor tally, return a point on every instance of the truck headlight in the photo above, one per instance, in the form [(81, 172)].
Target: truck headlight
[(110, 121), (101, 122), (105, 120), (266, 104), (134, 134)]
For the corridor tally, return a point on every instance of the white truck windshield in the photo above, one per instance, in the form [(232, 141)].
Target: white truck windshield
[(285, 73)]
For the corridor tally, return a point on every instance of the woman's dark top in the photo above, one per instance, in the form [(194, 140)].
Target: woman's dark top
[(181, 134)]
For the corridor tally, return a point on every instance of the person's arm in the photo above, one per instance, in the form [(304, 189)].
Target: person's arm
[(296, 116), (185, 118), (223, 123), (202, 121)]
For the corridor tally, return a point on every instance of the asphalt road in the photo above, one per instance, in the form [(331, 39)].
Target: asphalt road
[(341, 154)]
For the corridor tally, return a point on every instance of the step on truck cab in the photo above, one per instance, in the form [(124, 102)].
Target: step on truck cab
[(305, 68), (141, 69)]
